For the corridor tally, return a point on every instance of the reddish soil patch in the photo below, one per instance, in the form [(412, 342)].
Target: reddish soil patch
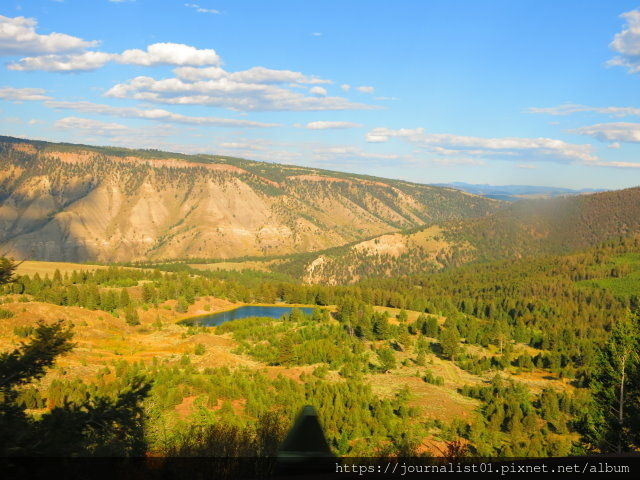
[(24, 147), (185, 407)]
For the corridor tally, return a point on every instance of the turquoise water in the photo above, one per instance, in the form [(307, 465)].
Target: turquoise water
[(243, 312)]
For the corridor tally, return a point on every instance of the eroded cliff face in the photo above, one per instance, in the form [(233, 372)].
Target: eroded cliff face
[(81, 203)]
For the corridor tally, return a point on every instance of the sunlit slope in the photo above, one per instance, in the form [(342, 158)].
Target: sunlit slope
[(64, 202)]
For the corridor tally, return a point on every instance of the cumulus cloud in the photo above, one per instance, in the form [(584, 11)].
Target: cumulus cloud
[(508, 148), (365, 89), (18, 37), (326, 125), (612, 132), (251, 90), (63, 63), (571, 108), (345, 87), (22, 94), (319, 91), (156, 114), (156, 54), (252, 75), (169, 54), (627, 43)]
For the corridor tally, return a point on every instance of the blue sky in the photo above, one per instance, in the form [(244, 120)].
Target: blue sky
[(500, 92)]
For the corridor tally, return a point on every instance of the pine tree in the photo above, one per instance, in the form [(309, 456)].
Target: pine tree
[(450, 342), (607, 426), (131, 315), (387, 359), (7, 267), (124, 300)]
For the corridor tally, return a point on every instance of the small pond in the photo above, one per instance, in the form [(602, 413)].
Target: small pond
[(242, 312)]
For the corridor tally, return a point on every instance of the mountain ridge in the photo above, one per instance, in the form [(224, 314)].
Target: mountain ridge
[(83, 203)]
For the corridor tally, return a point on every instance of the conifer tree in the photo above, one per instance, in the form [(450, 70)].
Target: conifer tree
[(7, 267), (608, 425)]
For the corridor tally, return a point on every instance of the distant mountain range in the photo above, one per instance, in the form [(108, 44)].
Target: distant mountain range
[(513, 193)]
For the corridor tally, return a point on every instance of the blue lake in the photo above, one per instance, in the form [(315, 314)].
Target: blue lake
[(243, 312)]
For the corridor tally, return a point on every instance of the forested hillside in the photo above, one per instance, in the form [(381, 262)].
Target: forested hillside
[(527, 228), (79, 203), (501, 359)]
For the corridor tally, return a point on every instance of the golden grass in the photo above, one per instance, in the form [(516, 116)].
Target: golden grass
[(31, 267)]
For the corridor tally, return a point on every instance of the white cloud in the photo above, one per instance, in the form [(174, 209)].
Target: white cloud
[(316, 34), (22, 94), (365, 89), (527, 166), (345, 87), (18, 37), (253, 75), (627, 43), (89, 130), (92, 127), (63, 63), (614, 145), (326, 125), (571, 108), (618, 164), (242, 146), (612, 132), (508, 148), (200, 9), (169, 54), (215, 87), (319, 91), (155, 114), (156, 54)]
